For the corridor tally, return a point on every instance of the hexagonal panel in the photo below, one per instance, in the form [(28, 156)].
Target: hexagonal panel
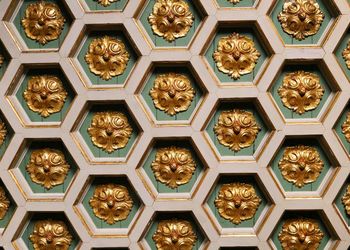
[(303, 90), (236, 64), (109, 205), (172, 168), (170, 28), (226, 123), (47, 168), (303, 166), (174, 222), (236, 4), (4, 59), (171, 94), (107, 132), (6, 134), (301, 25), (106, 56), (299, 220), (342, 53), (7, 206), (342, 128), (229, 211), (45, 222), (104, 5), (42, 96), (35, 28), (342, 202)]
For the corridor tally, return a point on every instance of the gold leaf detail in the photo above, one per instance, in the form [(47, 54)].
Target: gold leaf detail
[(237, 202), (346, 55), (106, 3), (111, 202), (236, 55), (45, 95), (236, 129), (174, 234), (4, 203), (3, 132), (301, 18), (1, 60), (50, 235), (173, 166), (107, 57), (300, 165), (43, 22), (234, 1), (301, 234), (171, 19), (47, 167), (345, 127), (172, 93), (346, 200), (301, 91), (110, 130)]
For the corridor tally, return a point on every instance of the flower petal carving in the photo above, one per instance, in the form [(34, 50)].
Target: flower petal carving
[(172, 93), (300, 165), (45, 95), (4, 203), (50, 234), (345, 127), (173, 166), (110, 130), (111, 202), (48, 167), (174, 234), (107, 57), (43, 22), (301, 234), (346, 55), (1, 60), (346, 200), (301, 18), (106, 3), (171, 19), (301, 91), (237, 202), (236, 129), (236, 55), (234, 1), (3, 132)]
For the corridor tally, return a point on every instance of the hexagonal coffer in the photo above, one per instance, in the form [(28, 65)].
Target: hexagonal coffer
[(342, 202), (342, 128), (7, 206)]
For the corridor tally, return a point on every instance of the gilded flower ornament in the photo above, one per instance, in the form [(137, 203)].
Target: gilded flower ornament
[(45, 95), (301, 234), (346, 200), (106, 3), (3, 132), (236, 55), (171, 19), (301, 91), (236, 129), (1, 60), (346, 55), (173, 166), (237, 202), (345, 128), (174, 234), (300, 165), (234, 1), (172, 93), (107, 57), (4, 203), (48, 167), (301, 18), (50, 235), (43, 22), (110, 130), (111, 202)]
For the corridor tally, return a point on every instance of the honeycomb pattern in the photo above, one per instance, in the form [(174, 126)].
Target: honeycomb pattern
[(194, 201)]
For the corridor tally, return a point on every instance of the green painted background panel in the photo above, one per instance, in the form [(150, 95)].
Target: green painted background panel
[(230, 179), (54, 117), (223, 32), (338, 128), (95, 79), (97, 152), (304, 214), (36, 188), (225, 151), (54, 216), (4, 221), (160, 41), (339, 203), (6, 59), (32, 44), (169, 216), (290, 114), (161, 115), (339, 53), (99, 223), (308, 40), (118, 5), (288, 186), (242, 3), (162, 188)]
